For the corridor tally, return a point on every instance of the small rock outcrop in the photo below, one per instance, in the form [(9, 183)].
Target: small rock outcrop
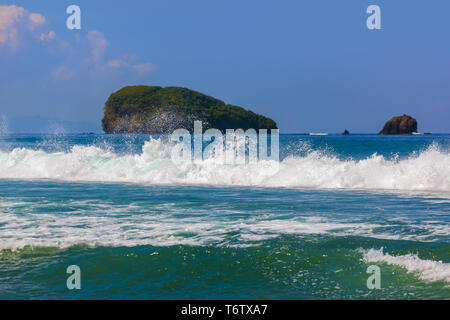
[(345, 133), (400, 125)]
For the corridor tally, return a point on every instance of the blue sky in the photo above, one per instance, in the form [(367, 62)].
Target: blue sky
[(309, 65)]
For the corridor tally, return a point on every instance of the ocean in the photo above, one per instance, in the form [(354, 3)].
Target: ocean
[(140, 227)]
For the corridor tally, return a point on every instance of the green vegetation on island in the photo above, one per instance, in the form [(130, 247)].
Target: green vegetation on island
[(155, 110)]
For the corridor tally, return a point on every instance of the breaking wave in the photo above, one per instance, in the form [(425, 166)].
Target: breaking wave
[(428, 170), (428, 270)]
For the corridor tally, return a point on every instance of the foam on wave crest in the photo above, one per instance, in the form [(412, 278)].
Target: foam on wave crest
[(428, 170), (428, 270)]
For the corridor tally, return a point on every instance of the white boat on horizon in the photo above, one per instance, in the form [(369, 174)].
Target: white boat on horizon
[(318, 134)]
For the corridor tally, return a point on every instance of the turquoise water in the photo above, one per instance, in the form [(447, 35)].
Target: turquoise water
[(140, 227)]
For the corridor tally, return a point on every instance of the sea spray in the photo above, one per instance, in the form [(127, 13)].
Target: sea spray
[(4, 132), (297, 242), (4, 128), (428, 170), (428, 270), (54, 138)]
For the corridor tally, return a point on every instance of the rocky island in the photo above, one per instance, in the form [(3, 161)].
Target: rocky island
[(400, 125), (158, 110)]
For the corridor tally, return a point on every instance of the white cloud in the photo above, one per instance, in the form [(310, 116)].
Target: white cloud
[(98, 44), (141, 68), (18, 24), (144, 68), (95, 59), (62, 73), (49, 36), (15, 21), (9, 19), (36, 19), (117, 63)]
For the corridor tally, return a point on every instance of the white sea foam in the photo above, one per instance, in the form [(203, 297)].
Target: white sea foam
[(426, 171), (119, 228), (85, 222), (81, 222), (427, 270)]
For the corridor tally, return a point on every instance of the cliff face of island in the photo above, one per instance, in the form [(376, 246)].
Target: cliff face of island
[(158, 110), (400, 125)]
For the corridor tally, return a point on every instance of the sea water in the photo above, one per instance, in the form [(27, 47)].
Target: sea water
[(141, 227)]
